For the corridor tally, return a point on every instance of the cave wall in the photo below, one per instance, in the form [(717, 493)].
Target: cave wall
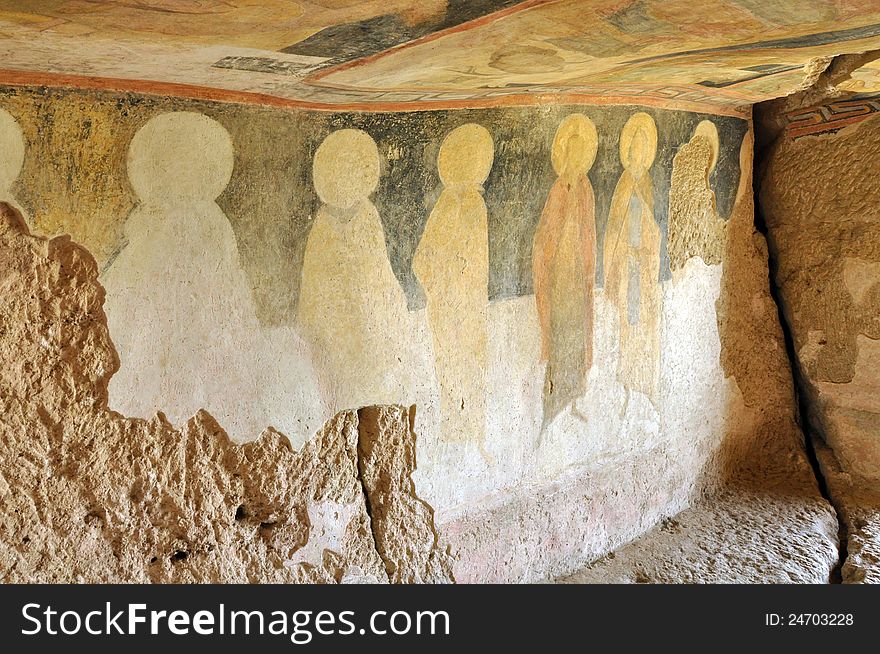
[(91, 496), (823, 216), (572, 298), (822, 209)]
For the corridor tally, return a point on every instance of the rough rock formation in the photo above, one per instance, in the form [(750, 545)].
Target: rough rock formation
[(739, 536), (858, 505), (695, 228), (759, 515), (821, 210), (770, 451), (88, 495), (403, 525)]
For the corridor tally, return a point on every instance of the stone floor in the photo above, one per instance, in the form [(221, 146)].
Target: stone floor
[(858, 505), (741, 535)]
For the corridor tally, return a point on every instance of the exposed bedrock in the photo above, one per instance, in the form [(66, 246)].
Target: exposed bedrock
[(572, 300), (90, 496), (739, 535), (416, 291), (823, 219)]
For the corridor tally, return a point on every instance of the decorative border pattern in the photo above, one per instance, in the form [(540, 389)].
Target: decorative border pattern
[(831, 117)]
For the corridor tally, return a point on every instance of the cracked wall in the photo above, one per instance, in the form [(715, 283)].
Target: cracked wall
[(534, 229), (820, 202), (613, 409), (90, 496)]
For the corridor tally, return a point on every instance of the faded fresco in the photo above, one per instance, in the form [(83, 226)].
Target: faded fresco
[(269, 24), (351, 306), (718, 56), (631, 256), (177, 294), (564, 256), (502, 270), (650, 47), (452, 265), (12, 157), (392, 27)]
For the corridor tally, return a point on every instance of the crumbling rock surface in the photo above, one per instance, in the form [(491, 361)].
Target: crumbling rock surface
[(823, 218), (695, 228), (87, 495), (858, 505), (742, 535), (821, 204), (403, 524), (770, 452)]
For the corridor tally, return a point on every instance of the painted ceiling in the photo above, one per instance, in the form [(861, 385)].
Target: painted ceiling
[(722, 55)]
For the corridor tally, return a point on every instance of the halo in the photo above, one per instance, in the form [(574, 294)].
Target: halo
[(466, 155), (644, 123), (571, 126), (346, 168), (180, 154), (709, 131)]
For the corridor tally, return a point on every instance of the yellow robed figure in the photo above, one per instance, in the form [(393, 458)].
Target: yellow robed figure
[(631, 258)]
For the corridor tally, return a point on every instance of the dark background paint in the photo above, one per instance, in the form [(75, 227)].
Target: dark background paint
[(521, 177), (347, 41), (270, 201)]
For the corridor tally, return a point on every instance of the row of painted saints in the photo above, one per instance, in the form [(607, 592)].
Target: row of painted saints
[(353, 333)]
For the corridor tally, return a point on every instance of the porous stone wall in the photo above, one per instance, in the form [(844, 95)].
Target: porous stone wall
[(571, 300), (87, 495), (821, 203)]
